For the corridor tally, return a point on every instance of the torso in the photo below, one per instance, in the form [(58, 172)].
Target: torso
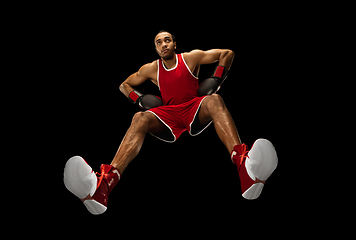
[(178, 84), (193, 67)]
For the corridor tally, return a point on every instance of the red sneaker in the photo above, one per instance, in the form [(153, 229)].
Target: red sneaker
[(93, 191), (254, 166)]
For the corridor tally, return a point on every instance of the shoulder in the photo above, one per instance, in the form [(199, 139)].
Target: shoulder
[(149, 66), (193, 56), (194, 53), (148, 69), (206, 57), (198, 55)]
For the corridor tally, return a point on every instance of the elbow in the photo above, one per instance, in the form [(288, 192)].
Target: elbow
[(125, 89), (122, 87), (227, 53)]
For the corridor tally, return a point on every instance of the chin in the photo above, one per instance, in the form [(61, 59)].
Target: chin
[(169, 55)]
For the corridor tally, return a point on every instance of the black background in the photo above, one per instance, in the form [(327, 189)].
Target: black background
[(87, 55)]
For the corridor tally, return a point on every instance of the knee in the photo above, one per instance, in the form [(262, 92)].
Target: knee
[(140, 120), (215, 101)]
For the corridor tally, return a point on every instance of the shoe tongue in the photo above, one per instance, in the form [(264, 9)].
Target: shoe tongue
[(240, 149), (105, 168)]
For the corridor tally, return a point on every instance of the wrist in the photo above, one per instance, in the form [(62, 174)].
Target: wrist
[(135, 96), (220, 73)]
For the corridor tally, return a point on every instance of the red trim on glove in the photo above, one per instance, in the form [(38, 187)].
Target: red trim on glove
[(219, 71), (133, 96)]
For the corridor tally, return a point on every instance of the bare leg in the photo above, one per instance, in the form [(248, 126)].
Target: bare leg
[(213, 108), (142, 123)]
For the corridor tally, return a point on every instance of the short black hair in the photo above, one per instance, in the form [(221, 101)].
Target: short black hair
[(173, 37)]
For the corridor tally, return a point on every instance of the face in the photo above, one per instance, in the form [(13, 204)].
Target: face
[(165, 46)]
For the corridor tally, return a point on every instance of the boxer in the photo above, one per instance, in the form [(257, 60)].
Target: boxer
[(185, 106)]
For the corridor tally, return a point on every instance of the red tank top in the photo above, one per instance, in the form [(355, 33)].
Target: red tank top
[(177, 85)]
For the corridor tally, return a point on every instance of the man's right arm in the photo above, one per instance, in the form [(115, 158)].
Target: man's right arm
[(145, 102), (135, 79)]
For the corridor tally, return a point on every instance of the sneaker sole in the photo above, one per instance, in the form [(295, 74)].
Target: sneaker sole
[(260, 165), (94, 207), (253, 192), (80, 180)]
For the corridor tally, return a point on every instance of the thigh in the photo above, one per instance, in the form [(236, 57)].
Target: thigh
[(203, 113), (154, 124), (169, 127)]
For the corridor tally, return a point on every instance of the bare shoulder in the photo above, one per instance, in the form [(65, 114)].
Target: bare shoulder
[(149, 70), (194, 54), (197, 55), (205, 57), (149, 67), (193, 57)]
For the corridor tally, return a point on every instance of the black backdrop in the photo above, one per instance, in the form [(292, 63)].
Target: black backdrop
[(192, 179)]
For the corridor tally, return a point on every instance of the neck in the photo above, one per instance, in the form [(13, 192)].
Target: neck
[(170, 63)]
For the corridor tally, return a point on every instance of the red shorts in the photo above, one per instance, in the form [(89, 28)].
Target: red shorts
[(178, 119)]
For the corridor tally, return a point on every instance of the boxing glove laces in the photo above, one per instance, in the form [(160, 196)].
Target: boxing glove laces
[(211, 85)]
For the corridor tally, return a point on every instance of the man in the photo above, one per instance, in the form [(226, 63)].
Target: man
[(185, 106)]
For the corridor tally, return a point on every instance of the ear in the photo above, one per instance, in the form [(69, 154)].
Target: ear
[(175, 45)]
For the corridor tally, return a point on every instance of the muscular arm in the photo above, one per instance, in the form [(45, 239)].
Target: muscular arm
[(133, 80), (145, 73), (224, 56)]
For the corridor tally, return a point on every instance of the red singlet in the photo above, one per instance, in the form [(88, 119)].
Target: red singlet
[(178, 88), (178, 85)]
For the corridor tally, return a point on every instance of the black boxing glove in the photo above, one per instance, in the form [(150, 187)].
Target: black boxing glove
[(145, 102), (211, 85)]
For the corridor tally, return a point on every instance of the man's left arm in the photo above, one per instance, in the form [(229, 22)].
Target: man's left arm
[(225, 58)]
